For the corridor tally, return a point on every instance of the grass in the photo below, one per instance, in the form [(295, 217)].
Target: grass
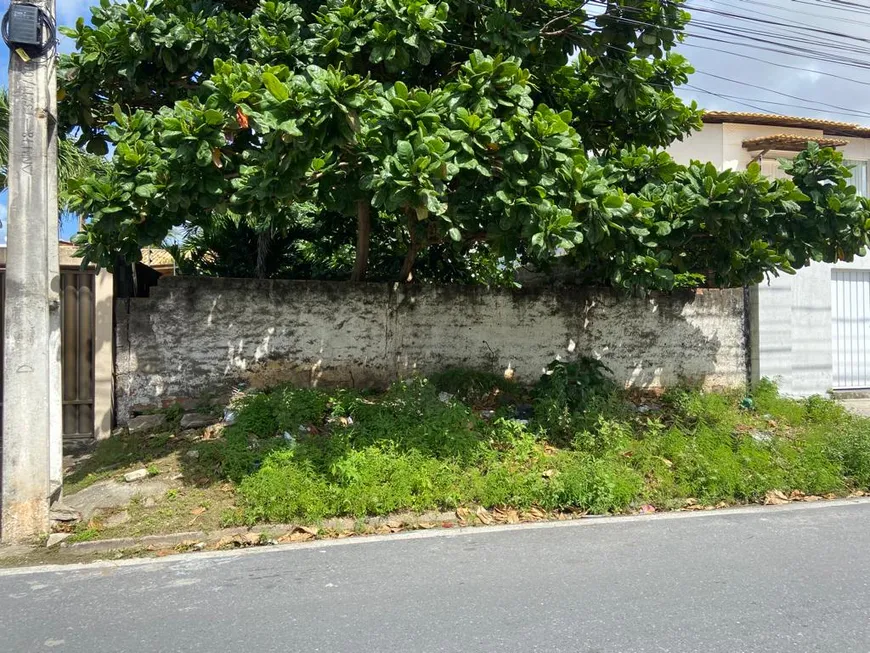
[(575, 442)]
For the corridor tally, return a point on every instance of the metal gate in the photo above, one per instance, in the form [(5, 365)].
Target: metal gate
[(77, 309), (850, 309)]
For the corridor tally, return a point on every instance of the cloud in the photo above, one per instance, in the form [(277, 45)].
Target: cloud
[(771, 67)]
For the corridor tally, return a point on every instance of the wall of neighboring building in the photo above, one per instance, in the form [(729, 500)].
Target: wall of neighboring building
[(791, 315), (194, 336), (103, 360)]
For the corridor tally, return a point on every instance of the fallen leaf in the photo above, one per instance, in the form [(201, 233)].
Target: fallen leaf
[(296, 536), (198, 511), (647, 509), (775, 498), (505, 516), (383, 529), (721, 505), (447, 524), (483, 515), (796, 495), (394, 525), (216, 157), (537, 513), (426, 525), (463, 514), (343, 534), (858, 493), (300, 534), (162, 553), (250, 539), (830, 495), (811, 498)]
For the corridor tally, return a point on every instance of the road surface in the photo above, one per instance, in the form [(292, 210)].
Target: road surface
[(760, 580)]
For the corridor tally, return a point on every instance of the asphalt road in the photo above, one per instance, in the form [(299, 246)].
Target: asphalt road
[(772, 580)]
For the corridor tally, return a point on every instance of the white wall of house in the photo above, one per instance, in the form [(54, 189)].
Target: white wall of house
[(792, 335)]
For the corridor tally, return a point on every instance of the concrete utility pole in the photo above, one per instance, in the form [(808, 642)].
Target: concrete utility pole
[(31, 234)]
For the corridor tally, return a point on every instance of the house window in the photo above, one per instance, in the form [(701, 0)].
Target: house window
[(772, 169), (859, 176)]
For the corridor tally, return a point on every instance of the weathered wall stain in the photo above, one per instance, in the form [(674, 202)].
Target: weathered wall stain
[(198, 335)]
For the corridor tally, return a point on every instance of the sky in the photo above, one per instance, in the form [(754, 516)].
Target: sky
[(797, 57)]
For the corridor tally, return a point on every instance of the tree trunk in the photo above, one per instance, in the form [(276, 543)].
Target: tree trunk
[(264, 239), (363, 239), (405, 276)]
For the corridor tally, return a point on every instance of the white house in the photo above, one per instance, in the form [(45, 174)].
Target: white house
[(809, 331)]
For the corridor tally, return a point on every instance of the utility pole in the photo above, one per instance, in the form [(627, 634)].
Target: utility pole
[(31, 233)]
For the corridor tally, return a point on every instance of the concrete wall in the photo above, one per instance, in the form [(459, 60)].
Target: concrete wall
[(196, 335)]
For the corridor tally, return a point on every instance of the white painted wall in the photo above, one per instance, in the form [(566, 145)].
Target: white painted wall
[(791, 337), (196, 335)]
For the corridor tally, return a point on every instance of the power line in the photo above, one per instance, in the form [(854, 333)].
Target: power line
[(770, 90), (839, 109), (756, 42), (841, 5), (773, 63), (740, 100), (779, 22), (792, 10)]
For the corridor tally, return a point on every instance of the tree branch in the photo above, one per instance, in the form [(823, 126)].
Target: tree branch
[(363, 240)]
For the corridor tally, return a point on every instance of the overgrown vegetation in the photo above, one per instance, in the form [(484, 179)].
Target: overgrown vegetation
[(574, 442), (445, 141)]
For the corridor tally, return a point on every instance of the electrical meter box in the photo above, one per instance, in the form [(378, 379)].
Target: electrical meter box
[(24, 25)]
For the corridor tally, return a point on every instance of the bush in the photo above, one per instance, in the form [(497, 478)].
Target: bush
[(256, 415), (570, 397), (407, 449), (851, 449), (477, 389), (285, 489)]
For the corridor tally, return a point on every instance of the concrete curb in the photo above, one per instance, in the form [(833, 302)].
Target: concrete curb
[(408, 520), (148, 541), (586, 522)]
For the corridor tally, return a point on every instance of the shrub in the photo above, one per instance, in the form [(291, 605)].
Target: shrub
[(408, 449), (285, 489), (477, 389), (256, 415), (592, 484), (570, 397), (851, 449), (295, 407)]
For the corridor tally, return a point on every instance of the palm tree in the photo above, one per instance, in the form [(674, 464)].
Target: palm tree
[(72, 162)]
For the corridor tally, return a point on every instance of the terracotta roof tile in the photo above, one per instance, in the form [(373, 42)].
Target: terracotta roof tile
[(828, 127), (789, 142)]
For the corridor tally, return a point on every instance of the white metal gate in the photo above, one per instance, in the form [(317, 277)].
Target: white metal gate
[(850, 308)]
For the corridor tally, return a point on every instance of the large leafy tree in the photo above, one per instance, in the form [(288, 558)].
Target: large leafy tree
[(453, 139)]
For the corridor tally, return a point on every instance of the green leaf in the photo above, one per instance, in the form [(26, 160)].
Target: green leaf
[(275, 87), (203, 154), (98, 146), (146, 190), (404, 150), (454, 234)]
